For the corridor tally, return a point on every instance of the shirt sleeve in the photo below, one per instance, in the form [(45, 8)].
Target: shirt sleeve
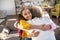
[(15, 24)]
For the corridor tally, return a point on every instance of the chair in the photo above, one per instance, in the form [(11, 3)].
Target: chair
[(56, 10)]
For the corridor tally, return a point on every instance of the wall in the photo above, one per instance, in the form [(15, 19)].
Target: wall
[(8, 6)]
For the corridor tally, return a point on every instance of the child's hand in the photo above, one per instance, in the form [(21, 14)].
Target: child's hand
[(35, 34), (29, 35), (45, 27)]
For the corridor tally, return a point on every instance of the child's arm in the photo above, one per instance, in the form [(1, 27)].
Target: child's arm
[(26, 25), (16, 24), (34, 33), (41, 27)]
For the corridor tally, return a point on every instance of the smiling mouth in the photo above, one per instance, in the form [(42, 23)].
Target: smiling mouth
[(28, 17)]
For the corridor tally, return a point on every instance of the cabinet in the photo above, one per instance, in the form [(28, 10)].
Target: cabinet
[(18, 5), (26, 3)]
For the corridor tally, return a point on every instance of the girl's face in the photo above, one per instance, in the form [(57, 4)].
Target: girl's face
[(27, 14)]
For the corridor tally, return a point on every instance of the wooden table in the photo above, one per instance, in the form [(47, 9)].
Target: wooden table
[(48, 9)]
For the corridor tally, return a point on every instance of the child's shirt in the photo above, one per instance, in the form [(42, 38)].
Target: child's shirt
[(24, 25)]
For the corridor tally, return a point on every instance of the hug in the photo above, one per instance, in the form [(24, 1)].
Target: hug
[(35, 24)]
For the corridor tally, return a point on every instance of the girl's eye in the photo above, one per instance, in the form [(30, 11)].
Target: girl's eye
[(25, 14), (29, 12)]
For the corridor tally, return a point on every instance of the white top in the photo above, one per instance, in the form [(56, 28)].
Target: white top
[(44, 35)]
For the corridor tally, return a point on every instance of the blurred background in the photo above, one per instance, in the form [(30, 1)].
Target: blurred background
[(9, 9)]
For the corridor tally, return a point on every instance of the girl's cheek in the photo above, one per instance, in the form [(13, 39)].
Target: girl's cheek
[(25, 16)]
